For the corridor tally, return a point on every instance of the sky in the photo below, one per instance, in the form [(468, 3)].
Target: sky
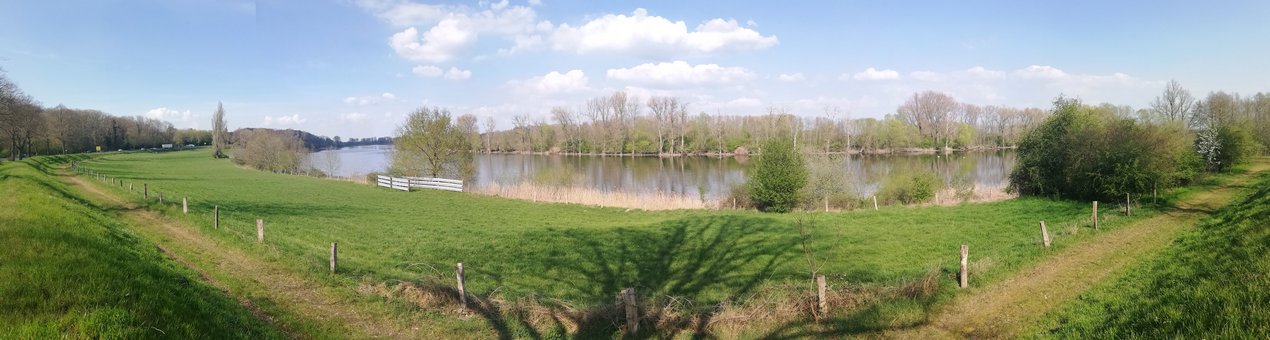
[(355, 68)]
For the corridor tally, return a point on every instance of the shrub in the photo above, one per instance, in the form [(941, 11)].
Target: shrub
[(778, 176), (909, 188), (1086, 152)]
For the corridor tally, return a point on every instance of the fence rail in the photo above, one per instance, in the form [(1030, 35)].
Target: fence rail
[(405, 183)]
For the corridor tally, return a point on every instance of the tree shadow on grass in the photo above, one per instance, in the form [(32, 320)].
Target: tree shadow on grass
[(704, 261)]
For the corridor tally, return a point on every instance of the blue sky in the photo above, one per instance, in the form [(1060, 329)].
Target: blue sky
[(353, 68)]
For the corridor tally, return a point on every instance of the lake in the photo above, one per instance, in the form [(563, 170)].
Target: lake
[(692, 176)]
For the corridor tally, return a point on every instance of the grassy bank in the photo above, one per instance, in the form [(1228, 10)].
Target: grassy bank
[(572, 257), (1211, 283), (71, 270)]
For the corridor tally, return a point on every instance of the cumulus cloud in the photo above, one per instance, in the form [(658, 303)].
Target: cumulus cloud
[(441, 43), (554, 83), (456, 74), (371, 99), (1040, 72), (428, 71), (792, 77), (680, 73), (874, 74), (926, 76), (983, 73), (652, 36), (170, 115), (291, 120)]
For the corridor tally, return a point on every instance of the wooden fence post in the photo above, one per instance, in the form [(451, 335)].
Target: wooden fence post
[(145, 191), (875, 202), (826, 203), (333, 252), (462, 287), (160, 197), (1095, 217), (129, 187), (216, 217), (1045, 235), (260, 230), (822, 296), (627, 298), (185, 205), (965, 272)]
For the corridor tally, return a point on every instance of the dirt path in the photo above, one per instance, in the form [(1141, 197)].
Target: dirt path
[(1005, 308), (306, 299)]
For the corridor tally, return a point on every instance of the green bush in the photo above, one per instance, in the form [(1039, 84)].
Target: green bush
[(909, 188), (778, 176), (1086, 152)]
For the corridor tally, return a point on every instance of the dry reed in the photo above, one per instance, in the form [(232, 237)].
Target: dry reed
[(594, 197), (663, 316)]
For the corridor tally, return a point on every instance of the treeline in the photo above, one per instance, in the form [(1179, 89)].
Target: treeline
[(30, 129), (1107, 152), (622, 124)]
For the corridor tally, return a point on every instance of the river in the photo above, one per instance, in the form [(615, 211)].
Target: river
[(707, 176)]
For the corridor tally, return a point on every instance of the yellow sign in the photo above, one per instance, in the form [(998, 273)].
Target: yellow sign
[(99, 148)]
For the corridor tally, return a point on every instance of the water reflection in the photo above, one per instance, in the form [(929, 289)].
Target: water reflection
[(708, 176)]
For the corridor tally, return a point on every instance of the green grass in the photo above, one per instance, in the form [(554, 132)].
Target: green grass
[(68, 269), (1214, 282), (584, 255)]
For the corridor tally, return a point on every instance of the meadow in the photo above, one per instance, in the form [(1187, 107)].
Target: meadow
[(1211, 283), (565, 255), (70, 269)]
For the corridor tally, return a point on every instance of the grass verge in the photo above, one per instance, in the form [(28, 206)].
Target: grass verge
[(69, 269), (1211, 283)]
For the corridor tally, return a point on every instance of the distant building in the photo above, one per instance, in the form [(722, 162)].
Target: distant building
[(167, 146)]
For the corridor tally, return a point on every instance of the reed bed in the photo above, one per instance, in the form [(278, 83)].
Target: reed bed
[(594, 197)]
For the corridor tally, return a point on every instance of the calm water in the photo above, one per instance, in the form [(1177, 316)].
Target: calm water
[(689, 176)]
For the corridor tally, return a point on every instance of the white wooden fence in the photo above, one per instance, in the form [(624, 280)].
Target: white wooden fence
[(405, 183)]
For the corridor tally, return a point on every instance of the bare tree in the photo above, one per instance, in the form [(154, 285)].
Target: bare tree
[(1174, 104), (522, 123), (931, 113), (568, 122), (490, 125), (666, 115)]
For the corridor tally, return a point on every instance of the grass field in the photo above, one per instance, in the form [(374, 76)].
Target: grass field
[(1211, 283), (69, 269), (578, 257)]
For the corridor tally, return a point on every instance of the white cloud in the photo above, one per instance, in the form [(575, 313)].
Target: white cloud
[(404, 13), (680, 73), (371, 99), (1040, 72), (982, 73), (291, 120), (498, 5), (874, 74), (352, 117), (441, 43), (428, 71), (554, 83), (654, 36), (792, 77), (926, 76), (456, 74), (744, 102), (170, 115)]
